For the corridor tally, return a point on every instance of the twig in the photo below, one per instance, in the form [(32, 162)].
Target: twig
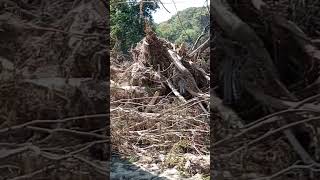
[(34, 122), (31, 175), (201, 48), (262, 122), (185, 32), (97, 168), (164, 6), (292, 167), (269, 133), (67, 131), (201, 35)]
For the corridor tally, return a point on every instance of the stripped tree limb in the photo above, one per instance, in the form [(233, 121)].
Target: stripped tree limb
[(201, 48), (201, 35)]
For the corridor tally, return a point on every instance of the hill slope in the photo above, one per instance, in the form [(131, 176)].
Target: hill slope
[(193, 20)]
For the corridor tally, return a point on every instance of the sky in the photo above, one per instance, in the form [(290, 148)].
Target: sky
[(162, 15)]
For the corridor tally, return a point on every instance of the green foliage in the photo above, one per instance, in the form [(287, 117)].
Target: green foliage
[(193, 21), (127, 25)]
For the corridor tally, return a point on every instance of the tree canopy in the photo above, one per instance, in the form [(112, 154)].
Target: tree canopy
[(127, 22), (192, 21)]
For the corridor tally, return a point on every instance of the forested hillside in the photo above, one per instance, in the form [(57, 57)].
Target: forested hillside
[(185, 26)]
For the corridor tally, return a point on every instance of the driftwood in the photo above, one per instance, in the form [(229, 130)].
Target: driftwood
[(190, 83), (176, 93)]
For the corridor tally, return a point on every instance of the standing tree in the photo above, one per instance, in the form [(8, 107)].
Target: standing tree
[(127, 22)]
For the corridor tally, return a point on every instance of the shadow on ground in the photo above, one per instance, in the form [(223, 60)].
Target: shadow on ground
[(122, 169)]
